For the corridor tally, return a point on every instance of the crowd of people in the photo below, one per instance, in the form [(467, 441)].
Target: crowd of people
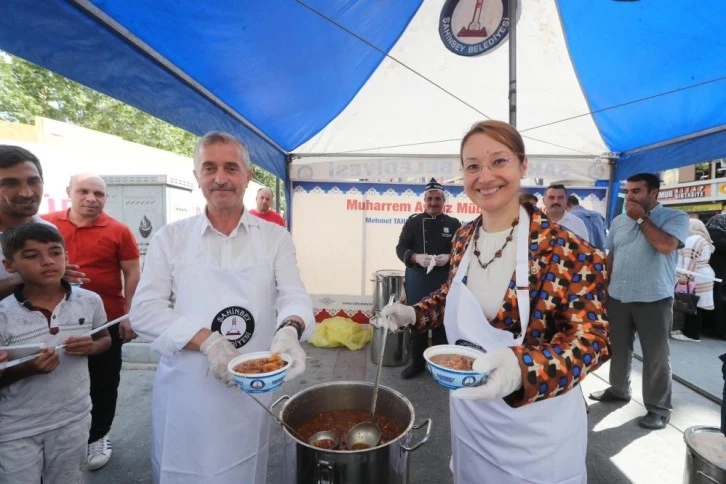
[(548, 295)]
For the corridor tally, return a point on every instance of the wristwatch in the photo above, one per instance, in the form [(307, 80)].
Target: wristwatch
[(299, 327), (640, 221)]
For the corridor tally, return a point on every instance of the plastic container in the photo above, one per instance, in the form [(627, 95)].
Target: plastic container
[(447, 377), (258, 382)]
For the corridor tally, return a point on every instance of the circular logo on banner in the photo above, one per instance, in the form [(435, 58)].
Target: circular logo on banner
[(236, 324), (473, 27)]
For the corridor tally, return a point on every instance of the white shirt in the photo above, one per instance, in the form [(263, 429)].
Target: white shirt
[(40, 403), (574, 224), (489, 285), (152, 314)]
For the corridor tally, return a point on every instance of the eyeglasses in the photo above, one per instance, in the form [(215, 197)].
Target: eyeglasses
[(474, 167)]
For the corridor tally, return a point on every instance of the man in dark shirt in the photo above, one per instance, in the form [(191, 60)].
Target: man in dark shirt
[(425, 247)]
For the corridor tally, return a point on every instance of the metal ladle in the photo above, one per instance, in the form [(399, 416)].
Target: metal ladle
[(310, 441), (368, 434)]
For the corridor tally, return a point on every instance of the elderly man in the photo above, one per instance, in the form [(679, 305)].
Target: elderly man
[(555, 202), (21, 189), (264, 210), (107, 252), (642, 249), (425, 247), (215, 286)]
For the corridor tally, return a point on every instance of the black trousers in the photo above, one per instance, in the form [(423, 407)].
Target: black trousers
[(420, 341), (692, 324), (105, 371)]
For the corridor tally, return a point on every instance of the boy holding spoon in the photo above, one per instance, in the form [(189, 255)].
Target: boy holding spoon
[(45, 403)]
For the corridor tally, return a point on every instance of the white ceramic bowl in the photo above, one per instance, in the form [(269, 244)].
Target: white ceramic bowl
[(258, 382), (447, 377)]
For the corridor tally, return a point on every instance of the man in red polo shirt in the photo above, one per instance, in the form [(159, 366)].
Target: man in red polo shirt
[(108, 254), (264, 202)]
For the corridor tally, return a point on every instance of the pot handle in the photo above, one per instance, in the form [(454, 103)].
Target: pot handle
[(703, 474), (279, 401), (325, 472), (415, 446)]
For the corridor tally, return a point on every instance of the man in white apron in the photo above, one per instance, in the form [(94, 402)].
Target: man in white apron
[(213, 287)]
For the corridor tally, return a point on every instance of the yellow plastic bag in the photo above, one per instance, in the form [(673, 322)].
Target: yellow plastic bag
[(337, 332)]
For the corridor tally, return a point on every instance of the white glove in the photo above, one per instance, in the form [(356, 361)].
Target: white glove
[(285, 341), (397, 316), (442, 259), (219, 353), (424, 260), (505, 376)]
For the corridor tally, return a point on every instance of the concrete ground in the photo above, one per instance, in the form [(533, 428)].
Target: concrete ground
[(619, 451)]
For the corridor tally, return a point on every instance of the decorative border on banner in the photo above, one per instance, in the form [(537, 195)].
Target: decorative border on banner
[(455, 191), (357, 308)]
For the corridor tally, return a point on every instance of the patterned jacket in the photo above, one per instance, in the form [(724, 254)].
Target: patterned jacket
[(567, 336)]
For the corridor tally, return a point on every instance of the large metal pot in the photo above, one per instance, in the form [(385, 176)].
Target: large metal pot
[(705, 456), (387, 463), (398, 346), (386, 284)]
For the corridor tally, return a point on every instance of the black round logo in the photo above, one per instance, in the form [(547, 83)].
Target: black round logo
[(236, 324)]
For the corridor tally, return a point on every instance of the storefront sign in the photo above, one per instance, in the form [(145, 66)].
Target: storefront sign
[(685, 193), (701, 207)]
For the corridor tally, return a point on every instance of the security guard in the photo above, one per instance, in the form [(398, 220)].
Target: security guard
[(426, 237)]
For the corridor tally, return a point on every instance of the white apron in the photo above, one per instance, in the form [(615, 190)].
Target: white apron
[(203, 431), (543, 442)]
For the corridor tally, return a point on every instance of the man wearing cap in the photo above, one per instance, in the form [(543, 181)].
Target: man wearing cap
[(425, 247)]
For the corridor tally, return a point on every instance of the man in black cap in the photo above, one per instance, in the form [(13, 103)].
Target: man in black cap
[(425, 247)]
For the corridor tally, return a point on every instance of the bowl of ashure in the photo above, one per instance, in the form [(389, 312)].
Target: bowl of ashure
[(259, 372), (452, 366)]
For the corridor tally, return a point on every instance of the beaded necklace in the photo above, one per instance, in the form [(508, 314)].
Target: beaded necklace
[(498, 253)]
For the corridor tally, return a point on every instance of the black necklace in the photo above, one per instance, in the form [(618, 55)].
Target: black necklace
[(498, 253)]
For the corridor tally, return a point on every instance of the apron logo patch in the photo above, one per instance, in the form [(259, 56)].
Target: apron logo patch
[(469, 344), (236, 324)]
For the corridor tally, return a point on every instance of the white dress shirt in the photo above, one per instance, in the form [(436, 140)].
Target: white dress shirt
[(152, 312), (574, 224)]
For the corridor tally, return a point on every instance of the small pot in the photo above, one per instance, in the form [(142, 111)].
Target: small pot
[(386, 463)]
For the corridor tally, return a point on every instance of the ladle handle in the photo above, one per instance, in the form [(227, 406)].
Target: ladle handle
[(380, 363), (274, 417)]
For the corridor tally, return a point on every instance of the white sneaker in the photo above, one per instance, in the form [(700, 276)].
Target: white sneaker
[(678, 331), (682, 337), (99, 453)]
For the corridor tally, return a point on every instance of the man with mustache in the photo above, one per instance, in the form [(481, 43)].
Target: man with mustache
[(426, 237), (555, 202), (215, 286), (21, 189), (107, 251)]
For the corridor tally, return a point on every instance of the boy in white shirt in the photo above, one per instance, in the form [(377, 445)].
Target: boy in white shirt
[(44, 403)]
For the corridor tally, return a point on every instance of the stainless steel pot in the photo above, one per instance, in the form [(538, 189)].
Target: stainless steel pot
[(386, 284), (387, 463), (705, 456), (398, 346)]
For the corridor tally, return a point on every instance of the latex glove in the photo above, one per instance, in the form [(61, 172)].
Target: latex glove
[(397, 316), (424, 260), (285, 341), (219, 353), (442, 259), (505, 376)]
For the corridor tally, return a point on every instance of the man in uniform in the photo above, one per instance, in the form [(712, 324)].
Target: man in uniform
[(425, 247)]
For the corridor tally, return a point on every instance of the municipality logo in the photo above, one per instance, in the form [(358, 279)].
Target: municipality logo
[(236, 324), (145, 227), (473, 27)]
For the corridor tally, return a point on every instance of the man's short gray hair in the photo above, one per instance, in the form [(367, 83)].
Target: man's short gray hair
[(220, 137)]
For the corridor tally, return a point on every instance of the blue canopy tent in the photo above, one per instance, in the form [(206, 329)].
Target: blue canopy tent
[(640, 83)]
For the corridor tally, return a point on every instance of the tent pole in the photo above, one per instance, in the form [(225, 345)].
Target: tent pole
[(512, 6), (612, 193)]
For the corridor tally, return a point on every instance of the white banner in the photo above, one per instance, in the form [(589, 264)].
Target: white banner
[(344, 232), (412, 169)]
